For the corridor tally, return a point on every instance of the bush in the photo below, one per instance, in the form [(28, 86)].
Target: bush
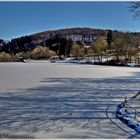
[(5, 57), (39, 52), (42, 53), (25, 55), (51, 53)]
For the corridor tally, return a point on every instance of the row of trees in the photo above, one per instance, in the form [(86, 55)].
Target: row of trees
[(38, 53), (26, 44)]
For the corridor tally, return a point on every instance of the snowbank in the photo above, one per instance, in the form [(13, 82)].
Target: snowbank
[(125, 117)]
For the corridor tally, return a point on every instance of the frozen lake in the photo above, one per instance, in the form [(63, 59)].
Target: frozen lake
[(58, 100)]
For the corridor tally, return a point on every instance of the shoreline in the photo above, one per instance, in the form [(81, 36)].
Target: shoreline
[(78, 62)]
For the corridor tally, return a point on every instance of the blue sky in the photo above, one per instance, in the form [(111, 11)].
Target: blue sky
[(24, 18)]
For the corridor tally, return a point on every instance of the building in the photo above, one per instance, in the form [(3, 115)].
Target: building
[(82, 38)]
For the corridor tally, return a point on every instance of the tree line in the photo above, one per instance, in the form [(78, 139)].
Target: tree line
[(121, 47)]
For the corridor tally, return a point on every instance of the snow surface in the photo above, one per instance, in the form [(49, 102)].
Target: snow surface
[(55, 100)]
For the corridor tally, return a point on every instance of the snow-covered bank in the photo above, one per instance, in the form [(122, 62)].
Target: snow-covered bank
[(126, 117), (61, 100)]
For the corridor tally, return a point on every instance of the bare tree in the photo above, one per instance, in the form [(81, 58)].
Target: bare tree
[(77, 51), (99, 48)]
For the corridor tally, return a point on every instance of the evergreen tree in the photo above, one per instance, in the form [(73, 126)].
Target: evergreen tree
[(109, 38)]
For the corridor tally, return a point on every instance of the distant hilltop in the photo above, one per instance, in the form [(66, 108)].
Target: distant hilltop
[(86, 35)]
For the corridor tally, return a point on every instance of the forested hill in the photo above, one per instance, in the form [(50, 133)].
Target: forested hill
[(75, 34), (57, 39)]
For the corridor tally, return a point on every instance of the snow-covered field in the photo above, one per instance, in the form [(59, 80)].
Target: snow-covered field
[(58, 100)]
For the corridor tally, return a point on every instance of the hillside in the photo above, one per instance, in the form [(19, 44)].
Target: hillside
[(76, 32), (43, 36)]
